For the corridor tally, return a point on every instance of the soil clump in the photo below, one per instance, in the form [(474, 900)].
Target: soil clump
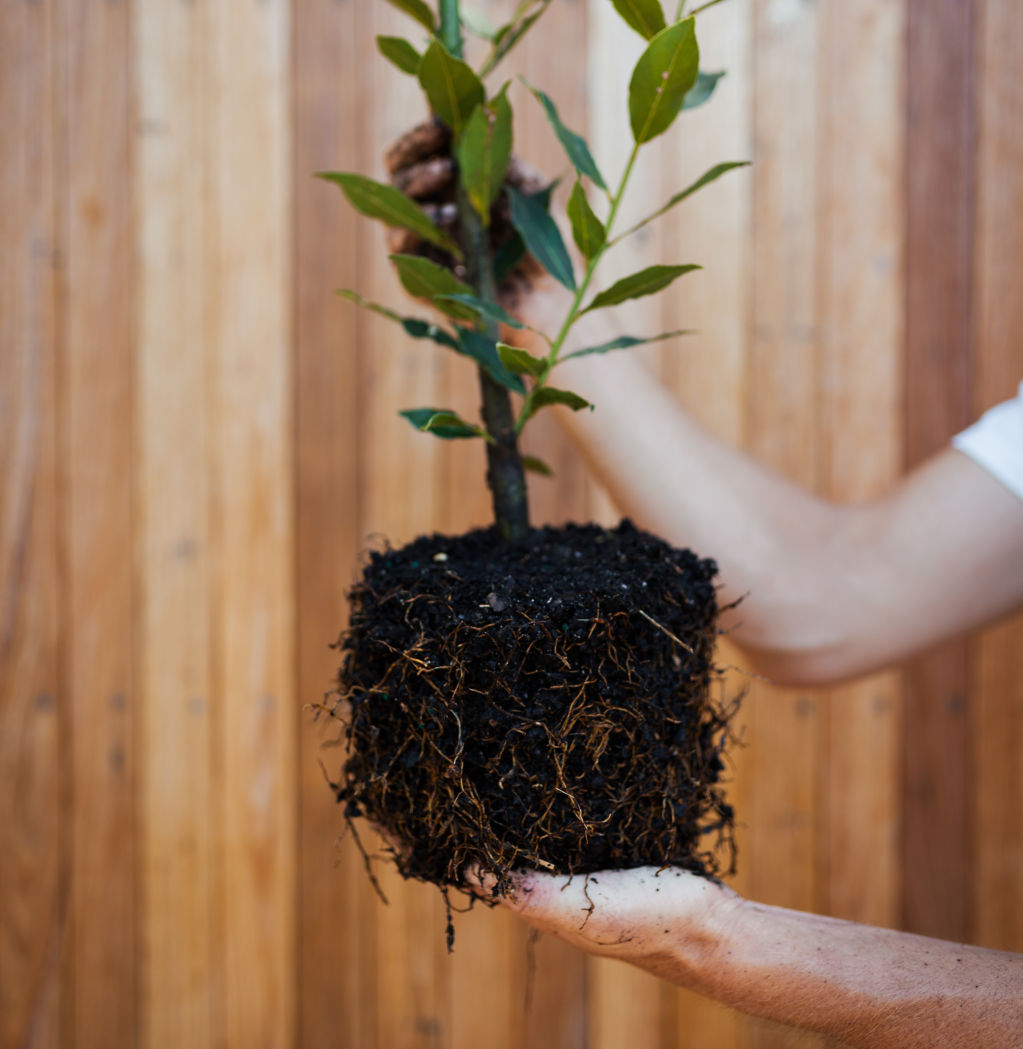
[(550, 704)]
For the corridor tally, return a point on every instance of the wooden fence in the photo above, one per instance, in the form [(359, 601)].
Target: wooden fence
[(197, 440)]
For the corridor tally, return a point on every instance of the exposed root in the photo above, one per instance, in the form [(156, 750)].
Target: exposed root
[(561, 734)]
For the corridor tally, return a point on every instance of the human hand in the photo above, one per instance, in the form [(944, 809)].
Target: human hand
[(419, 163), (665, 920)]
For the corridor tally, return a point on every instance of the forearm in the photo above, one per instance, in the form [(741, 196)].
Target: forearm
[(777, 546), (833, 590), (870, 988)]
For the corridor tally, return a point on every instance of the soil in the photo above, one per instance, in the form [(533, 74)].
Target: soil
[(551, 704)]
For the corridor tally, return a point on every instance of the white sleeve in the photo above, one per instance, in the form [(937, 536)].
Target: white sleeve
[(995, 441)]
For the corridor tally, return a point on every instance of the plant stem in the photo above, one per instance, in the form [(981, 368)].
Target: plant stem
[(451, 27), (505, 475), (577, 299), (585, 282)]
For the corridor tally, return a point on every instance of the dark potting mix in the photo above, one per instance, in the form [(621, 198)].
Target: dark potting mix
[(549, 704)]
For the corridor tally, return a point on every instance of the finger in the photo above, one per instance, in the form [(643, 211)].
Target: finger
[(405, 242), (424, 141), (428, 178)]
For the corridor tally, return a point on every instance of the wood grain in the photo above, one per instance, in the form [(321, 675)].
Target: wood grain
[(174, 557), (250, 464), (939, 250), (335, 943), (709, 372), (785, 727), (98, 366), (862, 331), (34, 827)]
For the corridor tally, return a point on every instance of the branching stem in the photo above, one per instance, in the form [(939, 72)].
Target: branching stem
[(451, 27), (580, 292)]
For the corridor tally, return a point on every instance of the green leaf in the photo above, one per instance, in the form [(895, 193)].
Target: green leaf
[(451, 86), (537, 466), (481, 307), (418, 329), (512, 32), (424, 279), (704, 180), (573, 144), (380, 201), (541, 236), (400, 52), (587, 230), (508, 256), (548, 395), (442, 423), (519, 361), (625, 342), (513, 250), (483, 350), (645, 282), (483, 151), (702, 89), (664, 74), (645, 16), (418, 10)]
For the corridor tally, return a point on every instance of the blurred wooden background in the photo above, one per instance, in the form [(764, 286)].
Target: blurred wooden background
[(197, 440)]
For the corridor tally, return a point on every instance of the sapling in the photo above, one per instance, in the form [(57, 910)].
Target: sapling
[(521, 696), (666, 80)]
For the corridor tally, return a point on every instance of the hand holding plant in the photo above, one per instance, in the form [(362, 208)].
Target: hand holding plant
[(522, 697)]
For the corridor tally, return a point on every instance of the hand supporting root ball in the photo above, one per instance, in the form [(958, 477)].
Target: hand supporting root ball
[(651, 917), (420, 164)]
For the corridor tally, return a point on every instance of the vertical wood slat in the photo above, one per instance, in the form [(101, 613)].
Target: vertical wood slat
[(33, 725), (996, 681), (709, 371), (623, 1005), (939, 140), (784, 726), (174, 557), (250, 393), (335, 902), (400, 477), (861, 164), (98, 315)]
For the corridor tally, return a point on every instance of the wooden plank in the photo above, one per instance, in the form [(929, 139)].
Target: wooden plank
[(709, 372), (400, 478), (335, 960), (487, 981), (250, 465), (935, 853), (174, 557), (862, 300), (33, 716), (623, 1005), (98, 366), (783, 427), (996, 657)]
